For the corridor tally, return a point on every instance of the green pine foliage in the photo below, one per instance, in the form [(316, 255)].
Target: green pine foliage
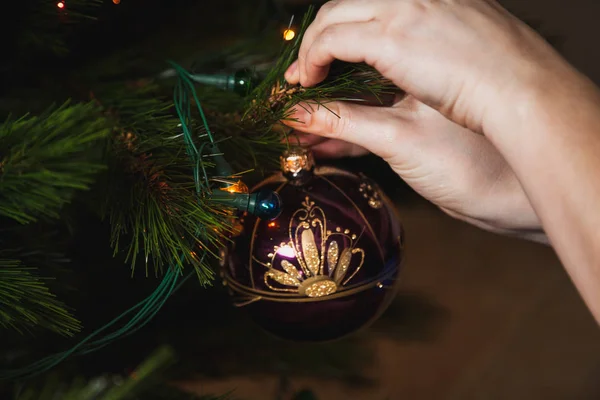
[(151, 201), (27, 303), (45, 159)]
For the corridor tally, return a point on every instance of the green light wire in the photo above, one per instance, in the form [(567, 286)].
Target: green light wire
[(146, 309), (149, 308), (185, 89)]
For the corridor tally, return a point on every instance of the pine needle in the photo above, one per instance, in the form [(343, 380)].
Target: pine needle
[(26, 302)]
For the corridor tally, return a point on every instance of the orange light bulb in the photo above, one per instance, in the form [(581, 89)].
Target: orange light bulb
[(237, 187), (289, 34)]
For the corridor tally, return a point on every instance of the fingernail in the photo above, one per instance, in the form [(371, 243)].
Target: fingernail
[(292, 71)]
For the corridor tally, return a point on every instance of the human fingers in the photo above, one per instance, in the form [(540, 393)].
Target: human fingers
[(462, 58), (332, 13), (375, 129), (337, 149), (325, 148), (352, 42), (304, 139)]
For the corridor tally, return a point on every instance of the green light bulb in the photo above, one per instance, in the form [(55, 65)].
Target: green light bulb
[(240, 82)]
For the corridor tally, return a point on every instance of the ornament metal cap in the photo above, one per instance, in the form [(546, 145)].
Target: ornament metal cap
[(297, 164)]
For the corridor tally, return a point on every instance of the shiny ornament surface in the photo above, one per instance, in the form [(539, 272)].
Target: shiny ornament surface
[(327, 266)]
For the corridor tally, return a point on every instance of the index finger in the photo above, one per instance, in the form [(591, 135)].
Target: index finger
[(352, 42), (333, 12)]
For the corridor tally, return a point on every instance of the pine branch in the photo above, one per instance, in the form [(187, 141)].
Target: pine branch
[(151, 200), (26, 302), (45, 160), (254, 148), (154, 206), (272, 101)]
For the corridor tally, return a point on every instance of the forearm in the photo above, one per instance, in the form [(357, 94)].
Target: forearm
[(532, 234), (552, 143)]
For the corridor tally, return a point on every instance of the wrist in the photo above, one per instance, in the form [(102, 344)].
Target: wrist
[(503, 207), (531, 102), (533, 234)]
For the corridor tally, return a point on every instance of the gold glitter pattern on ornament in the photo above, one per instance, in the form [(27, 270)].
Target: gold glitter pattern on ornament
[(311, 254), (320, 289), (343, 264), (299, 265), (332, 255), (283, 278), (290, 269), (371, 193)]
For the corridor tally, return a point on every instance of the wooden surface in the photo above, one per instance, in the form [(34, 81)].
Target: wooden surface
[(479, 316)]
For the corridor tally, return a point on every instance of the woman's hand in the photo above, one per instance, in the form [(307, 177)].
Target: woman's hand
[(458, 60), (464, 58), (456, 169), (483, 69)]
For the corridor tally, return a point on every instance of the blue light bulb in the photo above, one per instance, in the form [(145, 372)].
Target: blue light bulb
[(267, 205)]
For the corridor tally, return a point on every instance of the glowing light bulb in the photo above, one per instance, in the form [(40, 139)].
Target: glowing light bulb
[(116, 1), (237, 187), (289, 34), (60, 5)]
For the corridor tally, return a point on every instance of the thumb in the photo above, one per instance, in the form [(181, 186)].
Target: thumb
[(374, 128)]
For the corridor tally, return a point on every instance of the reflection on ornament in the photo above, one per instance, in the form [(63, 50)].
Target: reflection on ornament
[(289, 34), (286, 251), (327, 266), (371, 193), (236, 228)]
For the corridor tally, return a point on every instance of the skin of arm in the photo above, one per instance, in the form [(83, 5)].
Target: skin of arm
[(551, 140)]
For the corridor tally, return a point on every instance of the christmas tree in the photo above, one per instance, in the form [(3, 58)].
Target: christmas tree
[(119, 156)]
